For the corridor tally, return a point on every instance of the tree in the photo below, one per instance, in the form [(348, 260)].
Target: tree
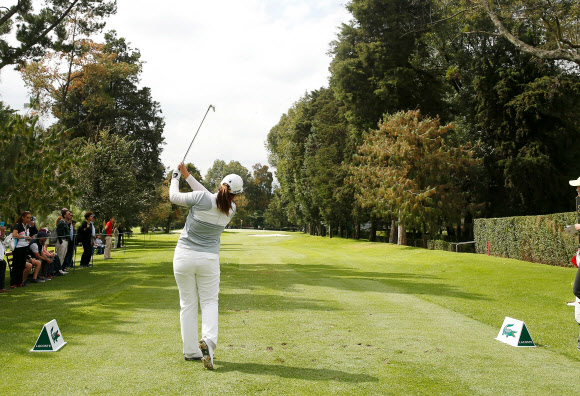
[(554, 22), (34, 177), (276, 215), (98, 90), (220, 169), (378, 69), (36, 32), (409, 168), (259, 189), (107, 184)]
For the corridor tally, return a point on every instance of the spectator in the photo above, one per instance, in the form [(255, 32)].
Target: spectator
[(85, 235), (55, 266), (2, 263), (32, 230), (109, 237), (37, 265), (37, 252), (20, 269), (99, 245), (119, 235), (116, 237), (64, 238)]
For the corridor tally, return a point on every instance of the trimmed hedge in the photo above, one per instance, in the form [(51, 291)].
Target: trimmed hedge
[(539, 239), (437, 244)]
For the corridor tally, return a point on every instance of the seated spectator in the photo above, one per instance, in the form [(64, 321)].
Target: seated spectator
[(36, 250), (54, 267), (99, 245), (31, 263)]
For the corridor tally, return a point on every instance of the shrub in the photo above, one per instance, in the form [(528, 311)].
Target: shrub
[(539, 239), (437, 244)]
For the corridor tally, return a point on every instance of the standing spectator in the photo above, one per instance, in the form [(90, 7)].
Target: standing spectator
[(116, 237), (64, 241), (20, 270), (109, 237), (2, 263), (85, 235), (120, 236), (32, 230)]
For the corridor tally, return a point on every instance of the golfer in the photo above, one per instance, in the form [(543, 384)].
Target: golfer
[(196, 260)]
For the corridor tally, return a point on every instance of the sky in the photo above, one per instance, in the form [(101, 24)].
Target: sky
[(251, 59)]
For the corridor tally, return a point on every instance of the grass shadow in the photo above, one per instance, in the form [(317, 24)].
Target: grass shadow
[(308, 374)]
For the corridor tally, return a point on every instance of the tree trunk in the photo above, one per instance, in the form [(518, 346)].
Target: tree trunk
[(357, 236), (341, 230), (393, 234), (402, 233), (322, 230), (402, 237), (373, 233), (330, 233)]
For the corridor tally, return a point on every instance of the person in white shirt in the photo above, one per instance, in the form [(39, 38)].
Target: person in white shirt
[(196, 259)]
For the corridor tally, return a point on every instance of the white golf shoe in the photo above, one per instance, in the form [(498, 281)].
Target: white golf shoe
[(207, 352)]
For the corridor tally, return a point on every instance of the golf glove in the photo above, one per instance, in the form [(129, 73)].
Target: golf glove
[(176, 174)]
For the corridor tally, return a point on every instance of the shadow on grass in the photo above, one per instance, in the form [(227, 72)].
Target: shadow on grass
[(285, 276), (308, 374)]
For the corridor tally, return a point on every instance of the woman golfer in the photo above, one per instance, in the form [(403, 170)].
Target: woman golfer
[(196, 260)]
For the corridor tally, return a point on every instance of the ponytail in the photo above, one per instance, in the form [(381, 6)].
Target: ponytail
[(225, 199)]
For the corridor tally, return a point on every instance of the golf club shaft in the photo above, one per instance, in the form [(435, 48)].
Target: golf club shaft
[(210, 107)]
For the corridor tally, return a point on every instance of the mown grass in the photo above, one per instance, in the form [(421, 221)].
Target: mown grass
[(298, 315)]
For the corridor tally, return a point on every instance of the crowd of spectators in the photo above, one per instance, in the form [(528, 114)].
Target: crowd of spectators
[(33, 262)]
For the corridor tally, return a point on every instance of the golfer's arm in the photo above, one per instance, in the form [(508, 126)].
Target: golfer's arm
[(194, 184), (177, 197)]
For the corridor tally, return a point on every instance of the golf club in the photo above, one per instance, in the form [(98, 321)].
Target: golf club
[(210, 107)]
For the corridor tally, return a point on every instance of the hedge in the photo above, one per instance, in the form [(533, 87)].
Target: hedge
[(539, 239)]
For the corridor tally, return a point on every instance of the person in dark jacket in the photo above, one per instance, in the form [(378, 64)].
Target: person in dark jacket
[(85, 235), (64, 242)]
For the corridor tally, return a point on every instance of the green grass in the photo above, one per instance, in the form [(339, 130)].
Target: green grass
[(298, 315)]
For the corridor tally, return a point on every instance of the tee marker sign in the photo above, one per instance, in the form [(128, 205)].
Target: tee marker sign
[(50, 338), (515, 333)]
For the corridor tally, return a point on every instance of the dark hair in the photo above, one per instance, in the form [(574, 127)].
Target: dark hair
[(63, 212), (22, 216), (88, 214), (225, 199)]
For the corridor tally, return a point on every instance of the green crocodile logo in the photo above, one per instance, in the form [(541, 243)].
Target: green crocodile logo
[(54, 334), (508, 332)]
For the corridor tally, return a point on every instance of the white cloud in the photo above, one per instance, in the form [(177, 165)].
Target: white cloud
[(251, 59)]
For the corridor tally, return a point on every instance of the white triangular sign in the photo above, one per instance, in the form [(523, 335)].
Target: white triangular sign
[(515, 333), (50, 338)]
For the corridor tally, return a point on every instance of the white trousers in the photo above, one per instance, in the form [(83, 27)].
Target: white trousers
[(198, 278), (61, 248)]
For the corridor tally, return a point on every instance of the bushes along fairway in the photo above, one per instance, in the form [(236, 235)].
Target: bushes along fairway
[(298, 315)]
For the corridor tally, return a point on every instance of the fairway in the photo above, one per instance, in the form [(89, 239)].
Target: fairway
[(298, 315)]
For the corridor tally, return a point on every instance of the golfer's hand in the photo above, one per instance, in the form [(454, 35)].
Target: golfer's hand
[(577, 226), (183, 170), (176, 174)]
